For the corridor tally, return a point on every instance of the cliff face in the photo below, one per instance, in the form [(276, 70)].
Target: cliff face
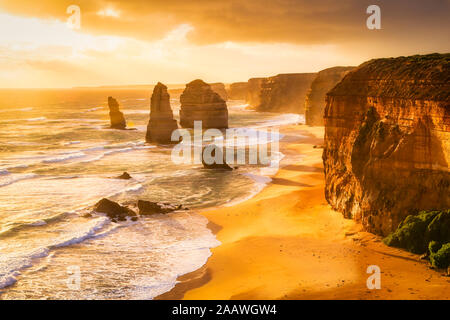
[(219, 88), (238, 91), (200, 102), (254, 91), (161, 124), (285, 92), (315, 98), (116, 117), (387, 140)]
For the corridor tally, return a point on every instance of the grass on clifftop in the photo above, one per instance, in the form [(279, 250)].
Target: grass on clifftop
[(426, 232)]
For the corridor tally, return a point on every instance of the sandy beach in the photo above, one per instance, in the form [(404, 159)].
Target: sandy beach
[(287, 243)]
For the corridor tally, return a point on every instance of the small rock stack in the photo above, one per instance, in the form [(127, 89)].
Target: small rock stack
[(116, 117)]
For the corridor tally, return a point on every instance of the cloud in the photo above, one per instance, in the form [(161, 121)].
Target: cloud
[(289, 21)]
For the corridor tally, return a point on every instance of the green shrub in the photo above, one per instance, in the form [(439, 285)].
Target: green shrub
[(441, 259), (410, 234), (434, 247)]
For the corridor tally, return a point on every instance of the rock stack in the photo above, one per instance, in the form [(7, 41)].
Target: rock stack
[(315, 98), (387, 140), (200, 102), (162, 123), (285, 93), (116, 117)]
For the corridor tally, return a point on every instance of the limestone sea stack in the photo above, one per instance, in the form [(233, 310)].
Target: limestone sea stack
[(315, 98), (200, 102), (238, 91), (116, 117), (285, 92), (254, 91), (387, 140), (162, 123), (219, 88)]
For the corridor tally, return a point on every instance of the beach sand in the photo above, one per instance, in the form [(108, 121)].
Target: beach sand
[(287, 243)]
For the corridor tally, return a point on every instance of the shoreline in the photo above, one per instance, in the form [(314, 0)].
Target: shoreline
[(287, 243)]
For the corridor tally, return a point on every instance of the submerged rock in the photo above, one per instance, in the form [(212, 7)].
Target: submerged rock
[(124, 176), (149, 207), (116, 117), (162, 123), (113, 210), (214, 158), (387, 140), (200, 102)]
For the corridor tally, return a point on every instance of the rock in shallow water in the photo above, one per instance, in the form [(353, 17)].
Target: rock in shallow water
[(149, 207), (113, 210), (116, 117)]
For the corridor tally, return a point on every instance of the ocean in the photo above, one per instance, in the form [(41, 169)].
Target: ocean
[(58, 158)]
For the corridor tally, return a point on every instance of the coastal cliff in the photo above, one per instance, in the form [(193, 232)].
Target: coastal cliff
[(254, 91), (238, 91), (200, 102), (116, 117), (285, 92), (315, 98), (387, 140), (161, 123), (219, 88)]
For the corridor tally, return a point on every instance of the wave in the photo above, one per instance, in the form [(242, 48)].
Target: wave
[(10, 179), (15, 264), (64, 158), (36, 119), (92, 109)]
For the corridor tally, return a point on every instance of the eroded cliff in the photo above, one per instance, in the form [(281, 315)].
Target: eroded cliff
[(254, 91), (315, 98), (115, 115), (387, 140), (285, 92), (238, 90)]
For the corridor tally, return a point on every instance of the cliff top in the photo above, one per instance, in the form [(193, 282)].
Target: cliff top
[(420, 77)]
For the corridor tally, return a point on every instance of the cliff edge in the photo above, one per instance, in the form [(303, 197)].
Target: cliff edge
[(387, 140)]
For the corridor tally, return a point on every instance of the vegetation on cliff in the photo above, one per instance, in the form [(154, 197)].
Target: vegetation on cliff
[(426, 232)]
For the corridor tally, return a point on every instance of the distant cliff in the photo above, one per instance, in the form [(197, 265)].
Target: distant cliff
[(315, 98), (200, 102), (387, 140), (285, 92), (219, 87), (238, 91), (254, 91)]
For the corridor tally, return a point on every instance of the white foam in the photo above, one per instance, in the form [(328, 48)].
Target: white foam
[(12, 178), (64, 157), (37, 119)]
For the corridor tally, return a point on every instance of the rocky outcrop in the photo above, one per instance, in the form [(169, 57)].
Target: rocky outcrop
[(162, 123), (149, 207), (116, 117), (113, 210), (200, 102), (285, 92), (254, 91), (124, 176), (387, 140), (238, 91), (219, 88), (315, 98), (213, 157)]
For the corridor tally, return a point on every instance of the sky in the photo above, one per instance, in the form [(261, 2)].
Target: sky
[(176, 41)]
